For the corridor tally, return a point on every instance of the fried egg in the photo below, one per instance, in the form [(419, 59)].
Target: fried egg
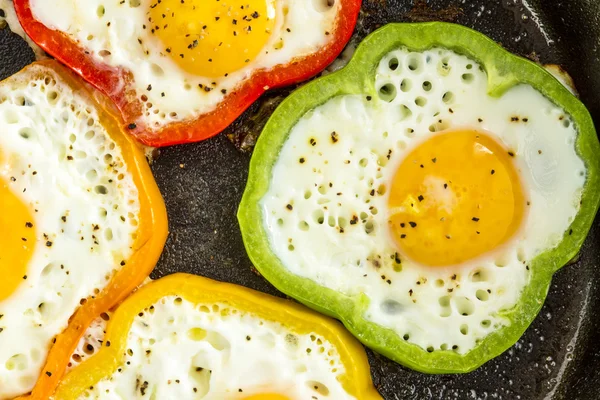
[(185, 57), (178, 349), (69, 219), (431, 198)]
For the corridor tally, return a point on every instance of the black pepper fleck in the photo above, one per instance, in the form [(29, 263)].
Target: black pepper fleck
[(334, 137)]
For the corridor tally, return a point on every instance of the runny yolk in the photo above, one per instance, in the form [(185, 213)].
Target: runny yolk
[(267, 396), (211, 38), (17, 240), (455, 197)]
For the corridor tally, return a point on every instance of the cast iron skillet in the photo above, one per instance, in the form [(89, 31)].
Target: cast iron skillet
[(559, 356)]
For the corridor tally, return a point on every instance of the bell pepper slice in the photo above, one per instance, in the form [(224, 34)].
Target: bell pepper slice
[(116, 82), (151, 235), (505, 71), (200, 291)]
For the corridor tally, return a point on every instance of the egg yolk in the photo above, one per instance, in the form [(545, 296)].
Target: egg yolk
[(455, 197), (17, 240), (267, 396), (211, 38)]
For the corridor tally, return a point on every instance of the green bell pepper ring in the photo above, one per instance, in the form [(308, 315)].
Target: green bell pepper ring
[(504, 71)]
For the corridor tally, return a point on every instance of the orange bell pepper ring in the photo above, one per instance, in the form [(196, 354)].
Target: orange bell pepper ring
[(150, 236)]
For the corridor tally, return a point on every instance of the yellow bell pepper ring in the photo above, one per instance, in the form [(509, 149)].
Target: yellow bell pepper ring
[(186, 320)]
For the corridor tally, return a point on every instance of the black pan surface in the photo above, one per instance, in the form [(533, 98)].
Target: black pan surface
[(559, 356)]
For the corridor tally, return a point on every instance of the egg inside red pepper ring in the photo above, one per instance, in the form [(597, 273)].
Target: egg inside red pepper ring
[(183, 71)]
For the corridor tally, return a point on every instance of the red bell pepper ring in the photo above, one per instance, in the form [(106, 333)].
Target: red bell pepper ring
[(117, 83)]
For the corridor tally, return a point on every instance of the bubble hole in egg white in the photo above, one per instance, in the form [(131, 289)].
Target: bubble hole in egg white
[(321, 180), (177, 349), (67, 168), (110, 30)]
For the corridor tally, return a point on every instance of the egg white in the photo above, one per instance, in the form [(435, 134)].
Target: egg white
[(302, 30), (91, 341), (240, 355), (434, 308), (67, 168)]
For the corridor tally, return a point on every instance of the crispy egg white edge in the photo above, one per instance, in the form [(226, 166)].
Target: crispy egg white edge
[(40, 133), (433, 315), (183, 99), (242, 351)]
